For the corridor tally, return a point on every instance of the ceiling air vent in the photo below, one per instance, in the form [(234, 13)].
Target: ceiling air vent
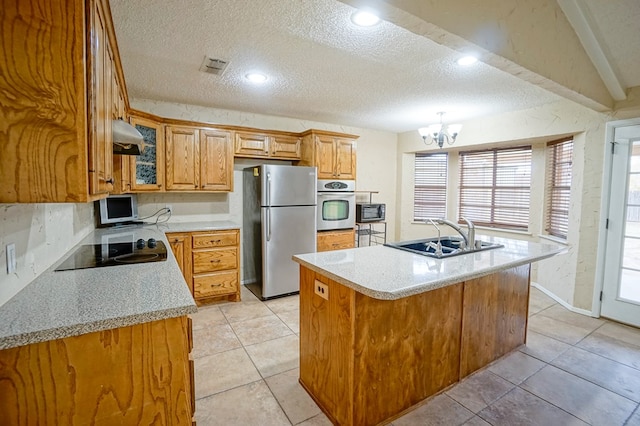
[(213, 66)]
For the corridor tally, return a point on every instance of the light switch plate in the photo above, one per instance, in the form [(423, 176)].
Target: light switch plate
[(11, 258)]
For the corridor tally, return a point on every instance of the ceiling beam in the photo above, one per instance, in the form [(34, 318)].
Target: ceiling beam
[(533, 41), (580, 18)]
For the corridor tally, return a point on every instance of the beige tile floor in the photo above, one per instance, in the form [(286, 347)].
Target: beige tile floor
[(574, 370)]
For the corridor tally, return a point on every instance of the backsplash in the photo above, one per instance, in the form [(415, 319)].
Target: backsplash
[(42, 233)]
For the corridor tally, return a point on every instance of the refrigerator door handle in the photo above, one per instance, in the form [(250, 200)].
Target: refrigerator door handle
[(268, 189), (268, 206), (268, 223)]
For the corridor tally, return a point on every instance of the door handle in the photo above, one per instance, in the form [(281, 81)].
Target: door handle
[(268, 206)]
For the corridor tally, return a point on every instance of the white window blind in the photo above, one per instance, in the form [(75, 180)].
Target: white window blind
[(495, 187), (430, 188), (559, 165)]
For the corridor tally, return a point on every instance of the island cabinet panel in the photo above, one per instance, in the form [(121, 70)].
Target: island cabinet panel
[(405, 351), (364, 360), (367, 361), (131, 375), (495, 317)]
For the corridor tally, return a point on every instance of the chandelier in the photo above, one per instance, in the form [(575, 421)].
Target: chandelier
[(439, 133)]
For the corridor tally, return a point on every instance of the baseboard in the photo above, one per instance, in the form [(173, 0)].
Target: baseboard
[(562, 302)]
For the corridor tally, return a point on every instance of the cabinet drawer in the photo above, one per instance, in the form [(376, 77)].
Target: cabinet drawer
[(335, 240), (216, 239), (218, 283), (215, 260)]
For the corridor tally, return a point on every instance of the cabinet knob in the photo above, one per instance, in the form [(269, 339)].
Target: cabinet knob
[(110, 180)]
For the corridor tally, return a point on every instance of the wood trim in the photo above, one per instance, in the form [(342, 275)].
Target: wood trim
[(208, 126), (327, 133)]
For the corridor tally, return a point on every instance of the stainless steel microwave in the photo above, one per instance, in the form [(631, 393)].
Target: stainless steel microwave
[(370, 212)]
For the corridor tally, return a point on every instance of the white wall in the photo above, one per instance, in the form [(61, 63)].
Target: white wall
[(570, 276), (42, 233), (375, 167)]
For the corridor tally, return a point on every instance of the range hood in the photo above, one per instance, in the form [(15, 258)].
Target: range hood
[(127, 140)]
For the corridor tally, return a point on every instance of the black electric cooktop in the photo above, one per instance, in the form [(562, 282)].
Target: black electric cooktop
[(111, 254)]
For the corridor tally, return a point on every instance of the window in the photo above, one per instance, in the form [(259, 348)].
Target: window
[(430, 189), (559, 164), (495, 187)]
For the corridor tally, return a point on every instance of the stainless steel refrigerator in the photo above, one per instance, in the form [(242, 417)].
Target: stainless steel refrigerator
[(279, 220)]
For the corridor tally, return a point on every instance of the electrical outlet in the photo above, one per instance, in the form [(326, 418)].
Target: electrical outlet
[(321, 290), (169, 208), (11, 258)]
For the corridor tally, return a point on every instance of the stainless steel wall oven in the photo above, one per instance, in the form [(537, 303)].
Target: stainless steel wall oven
[(336, 204)]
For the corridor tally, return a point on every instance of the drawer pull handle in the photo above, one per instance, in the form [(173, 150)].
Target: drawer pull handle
[(215, 241), (215, 261), (216, 285)]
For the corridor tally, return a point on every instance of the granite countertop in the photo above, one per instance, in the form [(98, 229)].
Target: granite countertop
[(69, 303), (387, 273)]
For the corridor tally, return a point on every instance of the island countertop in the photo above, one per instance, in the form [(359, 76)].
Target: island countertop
[(69, 303), (387, 273)]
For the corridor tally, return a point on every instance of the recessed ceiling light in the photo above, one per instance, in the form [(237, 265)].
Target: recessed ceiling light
[(256, 77), (467, 60), (364, 19)]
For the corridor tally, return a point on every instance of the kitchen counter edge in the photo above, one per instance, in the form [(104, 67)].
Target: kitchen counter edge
[(50, 308), (365, 284)]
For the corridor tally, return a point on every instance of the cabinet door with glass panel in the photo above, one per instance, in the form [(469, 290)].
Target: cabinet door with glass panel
[(147, 169)]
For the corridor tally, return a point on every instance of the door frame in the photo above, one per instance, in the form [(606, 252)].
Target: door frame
[(605, 199)]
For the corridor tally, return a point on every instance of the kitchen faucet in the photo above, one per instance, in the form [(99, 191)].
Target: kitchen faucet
[(469, 237)]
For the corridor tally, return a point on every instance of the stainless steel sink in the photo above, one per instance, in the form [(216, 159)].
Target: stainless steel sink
[(450, 246)]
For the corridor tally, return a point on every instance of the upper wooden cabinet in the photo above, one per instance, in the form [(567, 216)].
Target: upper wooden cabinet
[(56, 105), (283, 146), (216, 160), (147, 169), (262, 145), (198, 159), (333, 153)]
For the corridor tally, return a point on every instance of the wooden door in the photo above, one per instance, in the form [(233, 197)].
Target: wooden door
[(121, 164), (181, 247), (216, 160), (101, 149), (147, 169), (326, 157), (346, 158), (283, 146), (183, 158), (251, 145)]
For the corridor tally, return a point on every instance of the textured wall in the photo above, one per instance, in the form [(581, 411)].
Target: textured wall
[(42, 233)]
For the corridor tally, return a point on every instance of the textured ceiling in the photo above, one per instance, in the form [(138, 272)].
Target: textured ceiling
[(320, 66)]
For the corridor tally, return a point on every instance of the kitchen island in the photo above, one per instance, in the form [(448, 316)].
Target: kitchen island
[(382, 329), (106, 345)]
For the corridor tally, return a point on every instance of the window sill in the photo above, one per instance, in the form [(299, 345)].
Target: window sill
[(506, 231), (554, 239)]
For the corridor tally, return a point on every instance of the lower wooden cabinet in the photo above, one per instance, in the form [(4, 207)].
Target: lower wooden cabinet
[(210, 263), (335, 240), (139, 374)]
